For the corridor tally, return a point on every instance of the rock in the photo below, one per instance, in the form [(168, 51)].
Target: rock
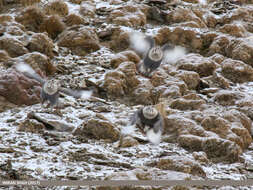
[(195, 62), (218, 58), (128, 15), (217, 125), (192, 96), (141, 94), (191, 1), (31, 18), (191, 24), (87, 9), (241, 126), (16, 30), (129, 70), (241, 49), (220, 80), (4, 56), (57, 7), (52, 122), (200, 157), (210, 19), (190, 78), (183, 104), (181, 164), (114, 83), (13, 46), (5, 18), (119, 40), (233, 126), (5, 104), (128, 175), (226, 97), (128, 141), (182, 15), (187, 37), (155, 14), (190, 142), (30, 2), (236, 71), (53, 26), (160, 78), (122, 80), (236, 15), (218, 149), (99, 129), (18, 89), (81, 40), (42, 43), (192, 136), (179, 125), (37, 61), (235, 29), (147, 174), (74, 19), (171, 92), (219, 45), (235, 116), (117, 60), (76, 1), (7, 172), (32, 126), (121, 57)]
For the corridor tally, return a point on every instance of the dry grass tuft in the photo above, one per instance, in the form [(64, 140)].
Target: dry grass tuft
[(32, 17), (53, 26), (57, 7)]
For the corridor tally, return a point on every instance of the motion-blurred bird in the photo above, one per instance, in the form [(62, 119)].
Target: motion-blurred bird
[(150, 122), (153, 55), (51, 88)]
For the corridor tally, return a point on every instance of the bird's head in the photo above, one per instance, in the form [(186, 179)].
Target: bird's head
[(51, 86), (156, 53), (149, 112)]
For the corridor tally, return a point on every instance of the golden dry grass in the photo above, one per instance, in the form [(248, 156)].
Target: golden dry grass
[(53, 26), (57, 7), (26, 3)]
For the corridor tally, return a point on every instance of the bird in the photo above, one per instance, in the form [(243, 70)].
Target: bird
[(153, 54), (51, 88), (150, 122)]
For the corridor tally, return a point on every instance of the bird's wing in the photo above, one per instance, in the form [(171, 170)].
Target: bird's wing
[(172, 55), (141, 43), (28, 71)]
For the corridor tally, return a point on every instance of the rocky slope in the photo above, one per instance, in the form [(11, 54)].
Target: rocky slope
[(205, 97)]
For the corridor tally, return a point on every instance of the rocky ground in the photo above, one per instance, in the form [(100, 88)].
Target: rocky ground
[(206, 97)]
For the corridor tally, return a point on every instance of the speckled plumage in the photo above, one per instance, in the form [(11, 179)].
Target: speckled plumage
[(51, 88), (153, 57), (152, 125)]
